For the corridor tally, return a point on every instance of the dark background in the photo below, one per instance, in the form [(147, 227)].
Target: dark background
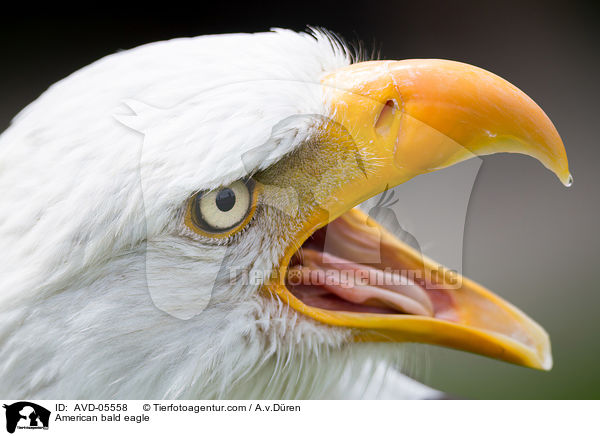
[(527, 237)]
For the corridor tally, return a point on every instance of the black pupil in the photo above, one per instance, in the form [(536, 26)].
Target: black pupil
[(225, 200)]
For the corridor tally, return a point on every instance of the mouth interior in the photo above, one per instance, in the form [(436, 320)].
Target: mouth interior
[(348, 266)]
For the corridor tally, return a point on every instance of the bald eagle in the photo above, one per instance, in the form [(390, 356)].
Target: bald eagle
[(182, 220)]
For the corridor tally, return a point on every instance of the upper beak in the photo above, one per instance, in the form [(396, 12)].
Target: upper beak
[(411, 117), (423, 115)]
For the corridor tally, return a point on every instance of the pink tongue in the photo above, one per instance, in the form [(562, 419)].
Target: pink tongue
[(361, 284)]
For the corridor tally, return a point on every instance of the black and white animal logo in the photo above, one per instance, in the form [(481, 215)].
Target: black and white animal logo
[(26, 415)]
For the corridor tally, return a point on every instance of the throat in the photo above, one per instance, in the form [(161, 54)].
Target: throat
[(345, 268)]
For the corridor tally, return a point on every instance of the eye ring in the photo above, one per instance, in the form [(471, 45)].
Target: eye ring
[(222, 212)]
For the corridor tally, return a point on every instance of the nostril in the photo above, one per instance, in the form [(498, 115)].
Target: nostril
[(385, 118)]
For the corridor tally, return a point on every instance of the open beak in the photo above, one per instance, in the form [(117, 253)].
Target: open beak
[(391, 121)]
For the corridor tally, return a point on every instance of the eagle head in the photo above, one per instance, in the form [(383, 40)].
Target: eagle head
[(183, 220)]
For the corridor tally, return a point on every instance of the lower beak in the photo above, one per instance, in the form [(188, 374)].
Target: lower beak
[(398, 120)]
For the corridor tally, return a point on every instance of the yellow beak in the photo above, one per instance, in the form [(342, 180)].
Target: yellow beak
[(405, 118)]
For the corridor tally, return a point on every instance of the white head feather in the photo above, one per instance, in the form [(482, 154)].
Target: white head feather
[(88, 226)]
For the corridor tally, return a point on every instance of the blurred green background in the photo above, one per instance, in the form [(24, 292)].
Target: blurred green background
[(527, 237)]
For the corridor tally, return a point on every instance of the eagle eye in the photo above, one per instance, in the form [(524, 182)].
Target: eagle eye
[(222, 212)]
